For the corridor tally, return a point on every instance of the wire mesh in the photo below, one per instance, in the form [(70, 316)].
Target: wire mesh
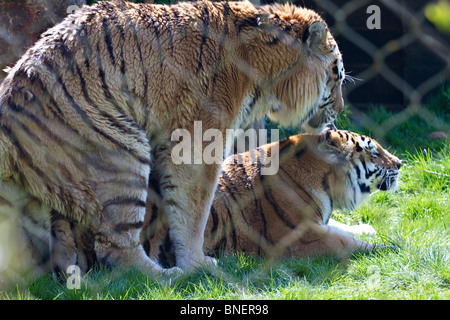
[(415, 29)]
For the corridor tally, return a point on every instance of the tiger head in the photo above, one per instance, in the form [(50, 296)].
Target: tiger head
[(310, 90), (361, 162)]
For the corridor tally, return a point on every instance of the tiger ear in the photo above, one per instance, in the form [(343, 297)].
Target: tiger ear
[(327, 148), (317, 36), (329, 151), (331, 154)]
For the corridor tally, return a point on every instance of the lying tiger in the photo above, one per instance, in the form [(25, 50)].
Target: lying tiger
[(289, 213)]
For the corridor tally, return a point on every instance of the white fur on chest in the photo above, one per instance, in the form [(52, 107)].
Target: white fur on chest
[(324, 203)]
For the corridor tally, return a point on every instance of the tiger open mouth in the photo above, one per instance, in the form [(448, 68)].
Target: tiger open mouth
[(389, 181)]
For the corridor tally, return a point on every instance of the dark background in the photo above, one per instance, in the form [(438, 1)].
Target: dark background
[(414, 63)]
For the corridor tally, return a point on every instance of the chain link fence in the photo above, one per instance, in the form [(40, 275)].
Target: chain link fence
[(397, 52), (407, 59)]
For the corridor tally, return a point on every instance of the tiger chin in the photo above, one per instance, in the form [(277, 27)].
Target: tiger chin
[(88, 113), (288, 214)]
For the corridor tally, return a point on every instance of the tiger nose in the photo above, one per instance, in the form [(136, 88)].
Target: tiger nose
[(398, 164)]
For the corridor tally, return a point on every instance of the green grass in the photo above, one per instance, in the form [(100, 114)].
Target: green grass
[(414, 220)]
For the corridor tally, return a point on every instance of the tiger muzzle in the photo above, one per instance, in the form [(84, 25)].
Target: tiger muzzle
[(389, 181)]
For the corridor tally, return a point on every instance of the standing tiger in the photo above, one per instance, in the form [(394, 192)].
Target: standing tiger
[(289, 213), (89, 110)]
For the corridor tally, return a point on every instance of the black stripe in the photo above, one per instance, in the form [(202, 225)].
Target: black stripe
[(176, 15), (204, 35), (138, 47), (56, 111), (66, 55), (87, 48), (255, 198), (101, 74), (215, 220), (267, 185), (281, 214), (231, 221), (369, 173), (358, 147), (246, 22), (231, 193), (363, 162), (124, 81), (86, 118), (358, 171), (169, 30), (108, 41), (335, 70), (134, 182), (83, 85), (284, 148), (305, 35), (122, 36), (364, 188), (58, 114), (65, 143), (152, 224), (26, 157), (346, 135), (158, 40), (167, 186), (126, 226), (379, 172), (22, 125), (124, 200), (226, 14), (299, 153), (303, 193)]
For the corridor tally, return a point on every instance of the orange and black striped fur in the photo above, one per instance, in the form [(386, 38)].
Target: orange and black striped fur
[(89, 111), (289, 213)]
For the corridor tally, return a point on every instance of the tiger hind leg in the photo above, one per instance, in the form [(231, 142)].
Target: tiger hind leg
[(118, 232)]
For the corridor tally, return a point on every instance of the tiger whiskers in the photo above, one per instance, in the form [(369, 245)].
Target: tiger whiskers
[(349, 78)]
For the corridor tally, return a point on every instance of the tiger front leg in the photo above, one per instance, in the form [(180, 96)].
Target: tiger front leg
[(324, 239), (312, 239), (62, 244), (187, 191)]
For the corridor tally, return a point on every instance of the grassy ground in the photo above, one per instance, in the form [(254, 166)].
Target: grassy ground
[(415, 220)]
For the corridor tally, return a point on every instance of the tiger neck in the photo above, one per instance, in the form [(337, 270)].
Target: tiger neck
[(349, 194)]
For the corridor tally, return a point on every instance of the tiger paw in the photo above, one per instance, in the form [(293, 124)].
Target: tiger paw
[(363, 229), (210, 261), (203, 262), (174, 271)]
